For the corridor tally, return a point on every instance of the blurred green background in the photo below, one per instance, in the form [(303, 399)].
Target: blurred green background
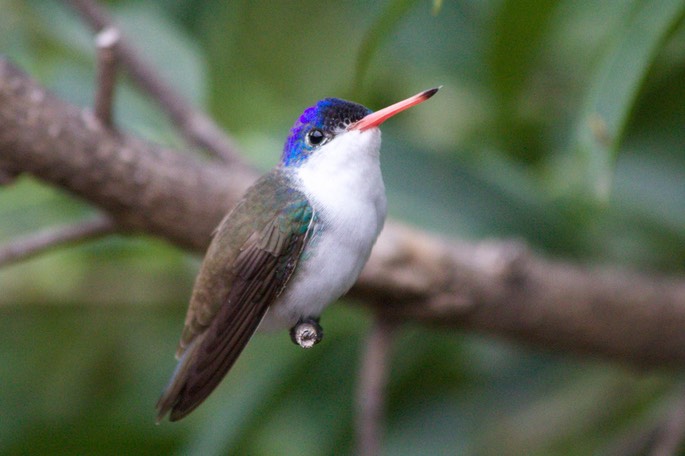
[(560, 123)]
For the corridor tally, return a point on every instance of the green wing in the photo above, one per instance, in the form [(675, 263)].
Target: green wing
[(248, 264)]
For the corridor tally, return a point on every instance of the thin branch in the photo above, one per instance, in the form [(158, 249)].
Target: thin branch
[(197, 127), (106, 42), (51, 238), (373, 376)]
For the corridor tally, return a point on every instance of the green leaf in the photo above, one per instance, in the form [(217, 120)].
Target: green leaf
[(612, 93)]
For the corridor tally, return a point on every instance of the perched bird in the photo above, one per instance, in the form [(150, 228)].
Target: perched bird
[(296, 241)]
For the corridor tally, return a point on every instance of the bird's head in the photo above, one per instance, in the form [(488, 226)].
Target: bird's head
[(330, 118)]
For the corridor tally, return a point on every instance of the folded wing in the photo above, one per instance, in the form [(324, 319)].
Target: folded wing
[(234, 289)]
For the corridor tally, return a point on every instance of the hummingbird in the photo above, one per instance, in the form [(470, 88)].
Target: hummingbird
[(295, 242)]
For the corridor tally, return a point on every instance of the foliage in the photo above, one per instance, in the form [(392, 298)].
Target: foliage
[(560, 122)]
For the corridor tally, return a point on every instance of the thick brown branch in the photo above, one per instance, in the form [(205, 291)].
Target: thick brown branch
[(503, 289), (195, 125), (499, 288), (142, 186)]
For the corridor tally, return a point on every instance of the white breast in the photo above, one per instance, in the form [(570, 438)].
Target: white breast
[(344, 184)]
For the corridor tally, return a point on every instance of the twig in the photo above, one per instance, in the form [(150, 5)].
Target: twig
[(196, 126), (50, 238), (106, 42), (371, 389)]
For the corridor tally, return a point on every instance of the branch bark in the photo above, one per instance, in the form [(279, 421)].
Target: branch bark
[(495, 287)]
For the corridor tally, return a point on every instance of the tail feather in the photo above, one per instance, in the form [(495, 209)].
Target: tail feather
[(172, 393)]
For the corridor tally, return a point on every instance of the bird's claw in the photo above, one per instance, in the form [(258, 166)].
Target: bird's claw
[(306, 333)]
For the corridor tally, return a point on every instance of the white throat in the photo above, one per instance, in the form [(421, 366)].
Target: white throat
[(343, 179)]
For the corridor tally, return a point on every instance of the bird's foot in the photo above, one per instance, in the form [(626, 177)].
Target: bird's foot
[(307, 332)]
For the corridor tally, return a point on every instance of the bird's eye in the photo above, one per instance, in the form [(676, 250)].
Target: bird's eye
[(316, 137)]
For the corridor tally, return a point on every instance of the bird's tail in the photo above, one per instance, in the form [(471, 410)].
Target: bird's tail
[(177, 383)]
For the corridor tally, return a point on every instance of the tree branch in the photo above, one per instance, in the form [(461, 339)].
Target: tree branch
[(142, 186), (195, 125), (373, 376), (498, 288), (50, 238), (106, 42), (501, 288)]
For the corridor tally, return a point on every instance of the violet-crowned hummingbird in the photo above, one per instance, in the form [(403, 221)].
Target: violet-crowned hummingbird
[(294, 243)]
